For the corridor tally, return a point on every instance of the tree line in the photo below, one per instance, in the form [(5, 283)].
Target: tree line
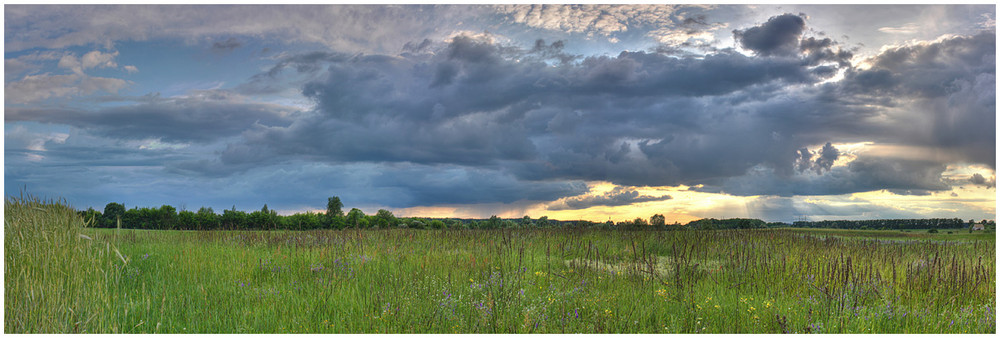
[(168, 218), (895, 224)]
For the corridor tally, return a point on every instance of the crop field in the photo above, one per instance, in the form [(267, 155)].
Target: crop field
[(62, 277)]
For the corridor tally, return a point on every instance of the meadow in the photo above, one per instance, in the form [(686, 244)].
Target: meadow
[(63, 277)]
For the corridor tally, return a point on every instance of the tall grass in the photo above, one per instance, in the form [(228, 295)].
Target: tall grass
[(508, 281), (56, 277)]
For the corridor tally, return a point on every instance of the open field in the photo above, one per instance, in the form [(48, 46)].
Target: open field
[(61, 277)]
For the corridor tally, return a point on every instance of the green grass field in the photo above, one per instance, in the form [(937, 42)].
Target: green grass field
[(62, 277)]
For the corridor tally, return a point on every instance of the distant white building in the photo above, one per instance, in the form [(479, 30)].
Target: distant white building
[(977, 226)]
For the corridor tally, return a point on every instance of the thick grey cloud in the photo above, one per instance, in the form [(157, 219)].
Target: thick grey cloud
[(863, 174), (204, 117), (474, 102), (615, 197), (939, 94), (979, 179), (633, 119), (778, 36)]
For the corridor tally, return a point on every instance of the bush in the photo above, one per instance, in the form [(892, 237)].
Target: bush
[(437, 224), (932, 231)]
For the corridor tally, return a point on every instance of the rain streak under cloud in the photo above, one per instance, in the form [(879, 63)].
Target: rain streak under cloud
[(575, 112)]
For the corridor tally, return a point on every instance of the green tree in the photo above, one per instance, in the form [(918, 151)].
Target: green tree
[(354, 217), (385, 218), (334, 207), (167, 217), (187, 220), (658, 221), (112, 213), (437, 224), (207, 220)]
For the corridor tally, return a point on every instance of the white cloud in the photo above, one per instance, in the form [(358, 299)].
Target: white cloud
[(32, 88), (589, 19), (96, 59), (909, 28)]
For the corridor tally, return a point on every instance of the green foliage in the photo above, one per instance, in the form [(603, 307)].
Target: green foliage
[(947, 223), (658, 220), (334, 207), (354, 217), (437, 224), (112, 212)]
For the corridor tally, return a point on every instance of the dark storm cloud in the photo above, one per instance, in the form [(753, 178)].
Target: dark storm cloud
[(778, 36), (948, 88), (206, 117), (863, 174), (616, 197), (497, 114), (633, 119), (474, 102)]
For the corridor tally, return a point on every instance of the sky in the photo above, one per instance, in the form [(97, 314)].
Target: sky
[(778, 112)]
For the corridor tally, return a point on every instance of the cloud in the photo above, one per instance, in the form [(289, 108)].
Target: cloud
[(863, 174), (589, 19), (208, 116), (778, 36), (979, 179), (34, 88), (724, 120), (226, 46), (356, 28), (616, 197), (909, 28), (477, 102), (939, 94)]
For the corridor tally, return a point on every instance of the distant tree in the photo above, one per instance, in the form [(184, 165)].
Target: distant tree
[(526, 221), (492, 223), (658, 220), (639, 222), (437, 224), (167, 217), (187, 220), (112, 212), (92, 218), (385, 218), (334, 207), (354, 217), (543, 221), (207, 219), (415, 224)]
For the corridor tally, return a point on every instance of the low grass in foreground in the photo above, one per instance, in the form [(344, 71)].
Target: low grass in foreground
[(485, 281)]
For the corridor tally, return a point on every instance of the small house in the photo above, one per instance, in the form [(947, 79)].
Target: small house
[(977, 226)]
